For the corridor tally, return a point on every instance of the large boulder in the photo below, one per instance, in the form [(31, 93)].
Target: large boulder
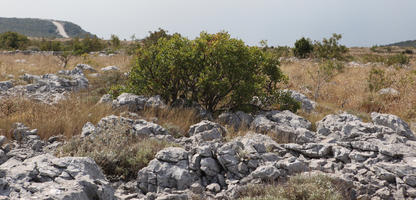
[(285, 125), (135, 102), (206, 131), (112, 124), (168, 170), (398, 125)]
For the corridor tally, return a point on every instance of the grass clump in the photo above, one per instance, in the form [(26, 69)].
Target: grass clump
[(305, 187), (119, 155)]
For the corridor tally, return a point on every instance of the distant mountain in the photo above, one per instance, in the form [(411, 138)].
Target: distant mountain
[(408, 43), (41, 27)]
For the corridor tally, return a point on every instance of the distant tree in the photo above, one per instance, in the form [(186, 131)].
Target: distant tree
[(115, 42), (12, 41), (87, 45), (330, 48), (155, 36), (303, 47)]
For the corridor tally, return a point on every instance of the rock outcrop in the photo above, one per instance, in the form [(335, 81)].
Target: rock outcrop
[(48, 88), (28, 171), (376, 159)]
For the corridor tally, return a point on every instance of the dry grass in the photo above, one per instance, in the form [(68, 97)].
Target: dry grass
[(43, 64), (305, 187), (66, 118), (348, 91)]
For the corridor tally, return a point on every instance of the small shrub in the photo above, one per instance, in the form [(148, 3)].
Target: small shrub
[(115, 42), (330, 49), (408, 51), (286, 102), (374, 48), (398, 59), (376, 80), (372, 58), (119, 155), (303, 47), (325, 72)]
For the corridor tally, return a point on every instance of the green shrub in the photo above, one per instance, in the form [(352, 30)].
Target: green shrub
[(372, 58), (286, 102), (303, 47), (398, 59), (120, 155), (211, 69), (12, 41), (408, 51), (115, 42), (86, 45), (316, 187), (330, 49), (155, 36)]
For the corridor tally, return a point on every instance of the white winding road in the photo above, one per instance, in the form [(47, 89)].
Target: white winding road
[(61, 29)]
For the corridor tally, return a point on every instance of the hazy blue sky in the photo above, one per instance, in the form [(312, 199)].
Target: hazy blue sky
[(280, 22)]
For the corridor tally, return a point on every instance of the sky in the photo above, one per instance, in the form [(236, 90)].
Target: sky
[(279, 22)]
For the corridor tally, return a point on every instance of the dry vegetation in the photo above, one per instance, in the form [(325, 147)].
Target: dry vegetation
[(43, 64), (307, 187), (347, 91), (116, 162)]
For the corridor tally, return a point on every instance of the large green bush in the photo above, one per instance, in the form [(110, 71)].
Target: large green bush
[(13, 41), (213, 69), (303, 47)]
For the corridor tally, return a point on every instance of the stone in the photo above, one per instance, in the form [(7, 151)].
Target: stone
[(106, 99), (209, 166), (398, 125), (236, 120), (313, 150), (172, 154), (5, 85), (214, 187), (2, 140), (110, 68), (131, 101), (206, 131), (388, 91), (88, 129), (85, 68), (143, 127), (410, 180), (285, 125), (266, 173)]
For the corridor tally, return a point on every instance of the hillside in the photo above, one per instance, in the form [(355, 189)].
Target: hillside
[(40, 27), (408, 43)]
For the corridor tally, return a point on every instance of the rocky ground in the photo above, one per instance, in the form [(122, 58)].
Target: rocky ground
[(376, 159)]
